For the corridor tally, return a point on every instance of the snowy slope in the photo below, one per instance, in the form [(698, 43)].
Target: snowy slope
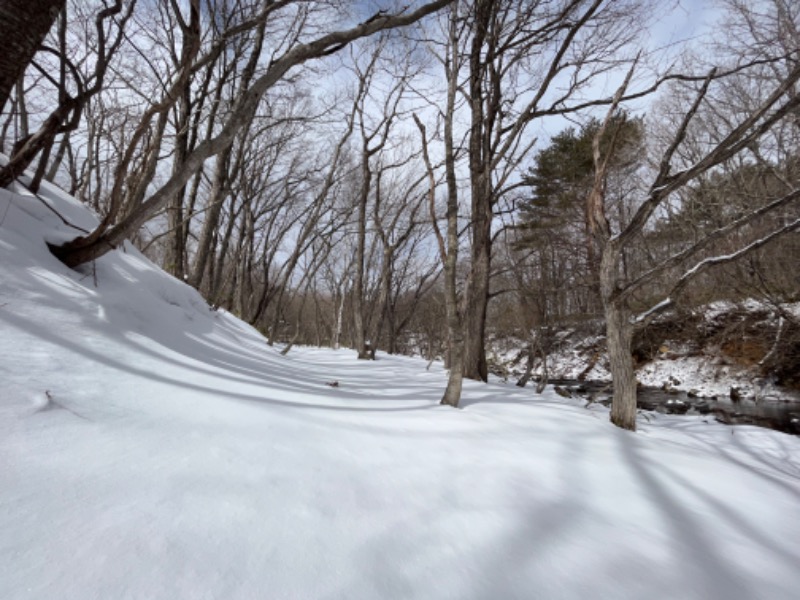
[(153, 449)]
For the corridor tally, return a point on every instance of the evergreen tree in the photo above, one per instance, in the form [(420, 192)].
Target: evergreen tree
[(563, 172), (553, 219)]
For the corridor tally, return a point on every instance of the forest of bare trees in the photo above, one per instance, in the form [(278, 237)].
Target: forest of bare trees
[(417, 178)]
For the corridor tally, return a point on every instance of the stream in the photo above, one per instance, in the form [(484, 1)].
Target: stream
[(781, 414)]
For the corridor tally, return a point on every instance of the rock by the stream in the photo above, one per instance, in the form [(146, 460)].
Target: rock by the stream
[(736, 394), (794, 422), (676, 407), (702, 407), (562, 391)]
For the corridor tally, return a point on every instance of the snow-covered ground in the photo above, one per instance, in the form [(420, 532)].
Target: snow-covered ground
[(151, 448), (706, 377)]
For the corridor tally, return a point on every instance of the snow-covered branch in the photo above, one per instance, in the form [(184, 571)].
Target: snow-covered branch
[(681, 257), (705, 264)]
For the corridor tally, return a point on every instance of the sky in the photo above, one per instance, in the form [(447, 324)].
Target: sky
[(687, 19)]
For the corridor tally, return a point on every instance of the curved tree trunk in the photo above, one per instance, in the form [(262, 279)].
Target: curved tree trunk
[(23, 27)]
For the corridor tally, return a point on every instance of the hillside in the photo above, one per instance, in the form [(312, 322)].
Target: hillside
[(151, 447)]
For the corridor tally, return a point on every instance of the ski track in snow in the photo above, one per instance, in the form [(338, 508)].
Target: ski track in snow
[(153, 448)]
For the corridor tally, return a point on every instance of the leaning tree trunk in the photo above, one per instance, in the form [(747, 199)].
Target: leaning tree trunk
[(23, 27), (105, 238)]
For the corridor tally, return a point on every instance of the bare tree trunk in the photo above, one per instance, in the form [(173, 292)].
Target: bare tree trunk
[(476, 304), (290, 344), (476, 295), (68, 106), (211, 222), (542, 383), (176, 252), (373, 140), (619, 335), (216, 268), (337, 328), (384, 290), (221, 170), (455, 329), (358, 276), (529, 362), (452, 393), (52, 171), (23, 27)]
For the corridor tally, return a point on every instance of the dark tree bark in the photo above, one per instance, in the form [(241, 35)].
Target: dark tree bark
[(222, 166), (359, 330), (477, 294), (66, 117), (503, 38), (23, 26)]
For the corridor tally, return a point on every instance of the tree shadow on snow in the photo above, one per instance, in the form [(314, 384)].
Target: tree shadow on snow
[(698, 553)]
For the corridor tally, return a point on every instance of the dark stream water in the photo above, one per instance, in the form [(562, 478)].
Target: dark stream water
[(782, 414)]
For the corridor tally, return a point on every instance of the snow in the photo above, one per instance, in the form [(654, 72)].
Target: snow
[(153, 448), (708, 374), (706, 378), (666, 302)]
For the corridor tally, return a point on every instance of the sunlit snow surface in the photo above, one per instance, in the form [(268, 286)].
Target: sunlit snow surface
[(178, 456)]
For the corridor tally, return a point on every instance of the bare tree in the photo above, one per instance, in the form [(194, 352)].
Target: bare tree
[(619, 289), (570, 41), (109, 235), (448, 246), (396, 218), (378, 111)]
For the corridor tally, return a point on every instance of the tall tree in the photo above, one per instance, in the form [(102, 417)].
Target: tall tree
[(560, 179), (110, 234), (674, 273), (526, 61), (448, 243), (514, 63)]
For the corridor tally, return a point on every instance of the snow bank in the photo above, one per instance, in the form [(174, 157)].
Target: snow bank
[(153, 448)]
